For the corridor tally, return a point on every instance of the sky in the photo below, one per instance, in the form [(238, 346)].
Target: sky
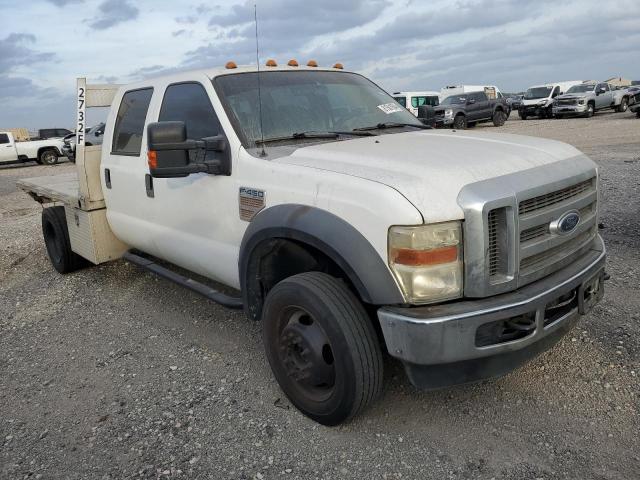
[(401, 45)]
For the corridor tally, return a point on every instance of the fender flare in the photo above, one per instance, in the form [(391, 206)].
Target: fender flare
[(331, 235)]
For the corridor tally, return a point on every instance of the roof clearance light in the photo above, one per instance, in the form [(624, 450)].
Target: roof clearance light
[(293, 62), (312, 63), (338, 66), (230, 65), (271, 63)]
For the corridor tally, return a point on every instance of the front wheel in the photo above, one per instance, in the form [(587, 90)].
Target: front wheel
[(48, 157), (499, 117), (624, 104), (523, 116), (322, 347), (591, 109), (460, 122)]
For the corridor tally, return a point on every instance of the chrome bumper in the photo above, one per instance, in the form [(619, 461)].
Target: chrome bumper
[(569, 108), (448, 334)]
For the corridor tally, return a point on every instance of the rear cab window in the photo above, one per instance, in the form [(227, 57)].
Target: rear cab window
[(130, 121), (4, 138)]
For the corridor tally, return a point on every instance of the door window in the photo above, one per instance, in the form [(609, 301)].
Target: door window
[(556, 92), (189, 103), (129, 128), (420, 101), (4, 138)]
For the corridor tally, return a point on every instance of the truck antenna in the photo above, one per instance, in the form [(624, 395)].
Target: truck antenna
[(263, 153)]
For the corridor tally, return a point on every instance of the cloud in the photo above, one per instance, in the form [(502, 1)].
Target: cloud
[(113, 12), (62, 3), (15, 51)]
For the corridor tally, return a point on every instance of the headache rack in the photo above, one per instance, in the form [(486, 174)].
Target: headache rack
[(81, 191)]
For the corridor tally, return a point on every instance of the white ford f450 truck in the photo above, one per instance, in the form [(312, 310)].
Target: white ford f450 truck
[(346, 226), (45, 152)]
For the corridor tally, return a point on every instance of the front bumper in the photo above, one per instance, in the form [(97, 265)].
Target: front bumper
[(570, 109), (533, 110), (460, 342), (441, 121)]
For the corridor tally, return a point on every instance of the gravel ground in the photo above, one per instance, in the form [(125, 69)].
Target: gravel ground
[(112, 373)]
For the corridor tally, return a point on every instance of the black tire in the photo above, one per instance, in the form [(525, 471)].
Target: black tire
[(322, 347), (523, 116), (471, 124), (559, 116), (591, 110), (499, 118), (460, 122), (638, 113), (56, 239), (48, 156), (624, 104)]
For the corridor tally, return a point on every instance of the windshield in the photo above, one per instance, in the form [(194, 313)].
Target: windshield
[(401, 100), (454, 100), (582, 88), (537, 92), (306, 101)]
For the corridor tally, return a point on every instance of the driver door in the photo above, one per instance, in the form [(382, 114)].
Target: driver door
[(194, 215), (7, 149)]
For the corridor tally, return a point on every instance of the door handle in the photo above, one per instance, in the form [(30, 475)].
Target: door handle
[(148, 183), (107, 177)]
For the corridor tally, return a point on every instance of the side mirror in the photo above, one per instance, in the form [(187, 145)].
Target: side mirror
[(601, 90), (471, 101), (169, 152), (99, 133)]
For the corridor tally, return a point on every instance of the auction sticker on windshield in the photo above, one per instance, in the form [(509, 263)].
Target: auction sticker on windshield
[(392, 107)]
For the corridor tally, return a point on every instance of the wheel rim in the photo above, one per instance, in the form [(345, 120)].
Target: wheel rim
[(48, 157), (624, 105), (306, 354)]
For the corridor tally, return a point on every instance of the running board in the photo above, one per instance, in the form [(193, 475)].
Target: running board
[(218, 297)]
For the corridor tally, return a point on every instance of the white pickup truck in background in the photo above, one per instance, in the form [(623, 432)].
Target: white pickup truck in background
[(347, 227), (44, 152)]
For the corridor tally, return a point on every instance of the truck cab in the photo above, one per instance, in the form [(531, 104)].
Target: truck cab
[(345, 225)]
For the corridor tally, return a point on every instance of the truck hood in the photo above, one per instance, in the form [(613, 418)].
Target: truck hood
[(431, 167), (573, 96)]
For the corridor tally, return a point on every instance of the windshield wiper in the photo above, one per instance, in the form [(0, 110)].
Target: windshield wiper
[(313, 134), (384, 125)]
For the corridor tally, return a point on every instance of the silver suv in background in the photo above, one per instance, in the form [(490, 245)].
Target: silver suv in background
[(93, 136), (585, 99)]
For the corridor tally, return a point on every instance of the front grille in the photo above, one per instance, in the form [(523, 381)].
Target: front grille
[(567, 102), (548, 199), (558, 252), (541, 251), (497, 237)]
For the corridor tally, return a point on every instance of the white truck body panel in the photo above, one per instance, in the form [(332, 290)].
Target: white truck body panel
[(460, 89), (409, 96), (562, 89)]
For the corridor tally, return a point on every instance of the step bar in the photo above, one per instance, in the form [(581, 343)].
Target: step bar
[(193, 285)]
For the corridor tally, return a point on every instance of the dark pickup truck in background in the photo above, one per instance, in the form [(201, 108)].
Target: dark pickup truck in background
[(466, 110)]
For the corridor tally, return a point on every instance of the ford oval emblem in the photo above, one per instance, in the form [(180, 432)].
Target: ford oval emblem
[(566, 224)]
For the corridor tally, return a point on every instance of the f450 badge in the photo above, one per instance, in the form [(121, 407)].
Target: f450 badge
[(251, 201)]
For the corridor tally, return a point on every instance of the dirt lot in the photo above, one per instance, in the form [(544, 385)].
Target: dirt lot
[(112, 373)]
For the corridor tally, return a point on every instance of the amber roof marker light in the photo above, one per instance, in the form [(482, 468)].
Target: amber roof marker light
[(292, 63), (230, 65), (312, 63), (271, 63), (339, 66)]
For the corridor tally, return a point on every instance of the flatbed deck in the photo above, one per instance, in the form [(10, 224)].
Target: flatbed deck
[(63, 188)]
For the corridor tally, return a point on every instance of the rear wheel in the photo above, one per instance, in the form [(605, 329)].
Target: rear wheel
[(460, 122), (56, 239), (499, 117), (48, 157), (322, 347), (523, 115)]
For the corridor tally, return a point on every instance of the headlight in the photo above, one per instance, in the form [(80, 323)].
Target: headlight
[(581, 101), (542, 102), (448, 112), (427, 261)]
